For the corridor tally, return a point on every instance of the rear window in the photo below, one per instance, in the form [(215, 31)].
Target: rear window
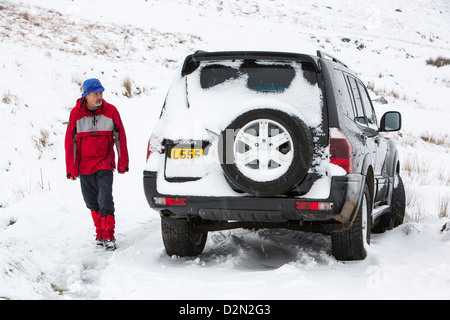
[(216, 92), (260, 77)]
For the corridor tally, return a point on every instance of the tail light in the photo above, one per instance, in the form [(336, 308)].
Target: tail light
[(154, 146), (163, 201), (148, 149), (340, 150), (313, 206)]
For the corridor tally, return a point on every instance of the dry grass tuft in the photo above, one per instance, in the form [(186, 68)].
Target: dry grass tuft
[(438, 62), (127, 84), (7, 98), (442, 140), (444, 206)]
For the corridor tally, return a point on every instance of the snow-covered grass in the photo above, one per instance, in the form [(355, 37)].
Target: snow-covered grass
[(47, 49)]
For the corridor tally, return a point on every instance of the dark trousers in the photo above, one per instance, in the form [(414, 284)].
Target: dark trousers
[(97, 191)]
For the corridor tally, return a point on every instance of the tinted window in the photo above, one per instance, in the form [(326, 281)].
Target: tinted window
[(343, 100), (268, 78), (216, 74), (359, 112), (370, 113), (260, 77)]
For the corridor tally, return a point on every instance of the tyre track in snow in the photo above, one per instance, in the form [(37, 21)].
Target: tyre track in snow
[(262, 250)]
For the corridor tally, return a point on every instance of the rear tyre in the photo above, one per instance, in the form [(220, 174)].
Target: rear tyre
[(179, 240), (351, 244)]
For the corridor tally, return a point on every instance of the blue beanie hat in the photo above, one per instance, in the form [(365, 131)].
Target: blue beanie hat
[(92, 85)]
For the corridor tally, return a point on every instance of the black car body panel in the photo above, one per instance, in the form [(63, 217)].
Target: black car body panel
[(267, 212)]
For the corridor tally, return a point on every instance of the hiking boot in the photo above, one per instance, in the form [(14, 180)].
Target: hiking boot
[(108, 224), (110, 245)]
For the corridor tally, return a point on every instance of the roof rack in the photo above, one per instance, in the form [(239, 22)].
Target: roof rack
[(322, 54)]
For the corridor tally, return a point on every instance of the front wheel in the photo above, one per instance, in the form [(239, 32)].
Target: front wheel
[(351, 244), (179, 240)]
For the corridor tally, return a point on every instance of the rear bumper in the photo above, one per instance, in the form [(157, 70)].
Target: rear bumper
[(345, 196)]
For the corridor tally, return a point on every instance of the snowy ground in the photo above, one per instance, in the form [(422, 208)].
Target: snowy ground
[(48, 47)]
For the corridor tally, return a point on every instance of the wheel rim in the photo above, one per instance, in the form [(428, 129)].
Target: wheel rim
[(263, 150)]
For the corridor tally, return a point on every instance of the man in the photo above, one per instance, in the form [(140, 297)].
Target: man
[(94, 127)]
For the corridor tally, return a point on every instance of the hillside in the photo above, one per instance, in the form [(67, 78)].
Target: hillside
[(49, 47)]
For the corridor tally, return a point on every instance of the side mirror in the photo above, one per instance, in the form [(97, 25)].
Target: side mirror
[(391, 121)]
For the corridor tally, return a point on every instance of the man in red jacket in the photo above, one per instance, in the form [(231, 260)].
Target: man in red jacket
[(93, 129)]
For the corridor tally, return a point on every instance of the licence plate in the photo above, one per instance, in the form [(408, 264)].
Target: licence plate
[(185, 153)]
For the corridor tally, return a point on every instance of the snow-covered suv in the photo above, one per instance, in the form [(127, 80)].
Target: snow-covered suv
[(272, 140)]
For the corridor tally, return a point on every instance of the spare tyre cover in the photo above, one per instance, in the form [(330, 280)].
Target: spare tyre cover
[(266, 152)]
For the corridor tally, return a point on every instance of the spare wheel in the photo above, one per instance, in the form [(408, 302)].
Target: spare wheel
[(266, 152)]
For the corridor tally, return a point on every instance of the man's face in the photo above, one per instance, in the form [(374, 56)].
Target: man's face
[(94, 100)]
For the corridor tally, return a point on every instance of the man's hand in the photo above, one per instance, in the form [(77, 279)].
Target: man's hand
[(122, 169), (73, 178)]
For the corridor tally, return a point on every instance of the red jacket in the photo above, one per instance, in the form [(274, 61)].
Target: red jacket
[(90, 138)]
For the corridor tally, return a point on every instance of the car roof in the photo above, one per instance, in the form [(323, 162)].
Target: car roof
[(192, 62)]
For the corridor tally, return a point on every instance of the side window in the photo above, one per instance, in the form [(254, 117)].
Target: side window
[(359, 112), (344, 100), (368, 108)]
